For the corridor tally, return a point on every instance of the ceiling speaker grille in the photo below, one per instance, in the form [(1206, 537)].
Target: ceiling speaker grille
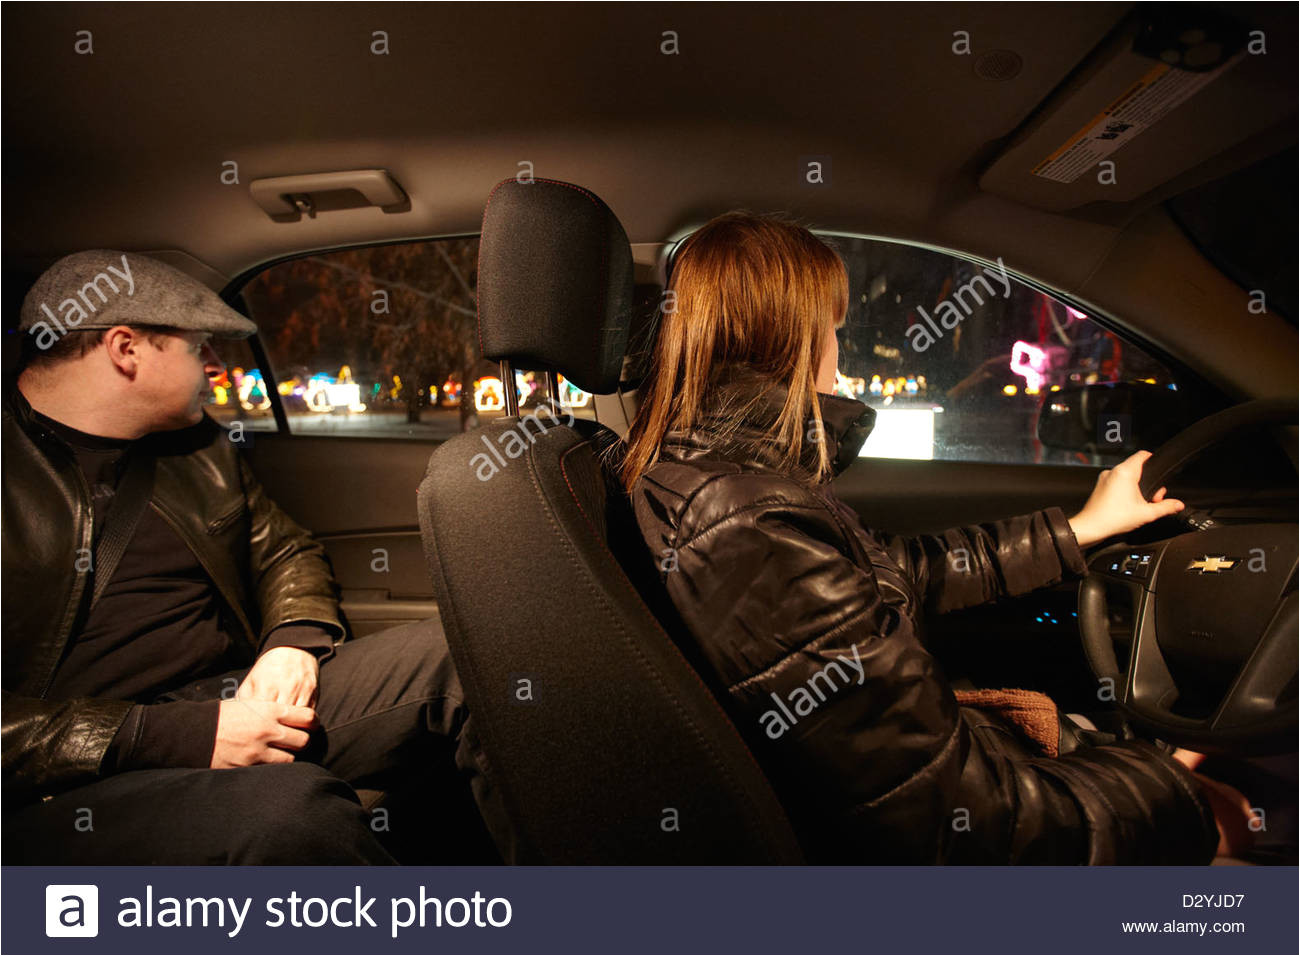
[(998, 65)]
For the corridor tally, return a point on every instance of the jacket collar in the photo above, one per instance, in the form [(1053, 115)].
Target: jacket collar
[(181, 441), (846, 424), (17, 406)]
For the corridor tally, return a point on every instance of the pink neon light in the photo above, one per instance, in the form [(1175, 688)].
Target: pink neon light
[(1029, 361)]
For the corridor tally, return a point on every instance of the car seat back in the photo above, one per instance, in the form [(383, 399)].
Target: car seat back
[(600, 741)]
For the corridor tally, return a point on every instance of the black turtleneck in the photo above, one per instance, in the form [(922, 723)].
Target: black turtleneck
[(160, 623)]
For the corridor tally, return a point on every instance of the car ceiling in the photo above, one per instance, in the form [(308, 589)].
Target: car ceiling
[(124, 148)]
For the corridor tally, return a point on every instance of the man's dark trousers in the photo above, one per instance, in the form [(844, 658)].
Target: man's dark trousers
[(390, 708)]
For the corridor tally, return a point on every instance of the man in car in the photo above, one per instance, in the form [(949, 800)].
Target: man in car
[(175, 689)]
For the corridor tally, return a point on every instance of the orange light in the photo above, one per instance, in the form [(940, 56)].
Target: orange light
[(489, 395)]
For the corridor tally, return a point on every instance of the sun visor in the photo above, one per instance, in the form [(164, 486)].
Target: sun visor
[(1167, 91)]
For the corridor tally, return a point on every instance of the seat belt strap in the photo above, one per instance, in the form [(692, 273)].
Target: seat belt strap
[(132, 498)]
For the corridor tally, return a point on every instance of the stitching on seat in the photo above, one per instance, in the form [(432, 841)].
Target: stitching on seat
[(564, 473), (478, 291), (471, 679)]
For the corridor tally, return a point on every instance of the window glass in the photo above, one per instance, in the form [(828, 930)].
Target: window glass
[(382, 341), (961, 361), (241, 395)]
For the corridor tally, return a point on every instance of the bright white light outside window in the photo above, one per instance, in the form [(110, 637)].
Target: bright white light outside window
[(901, 433)]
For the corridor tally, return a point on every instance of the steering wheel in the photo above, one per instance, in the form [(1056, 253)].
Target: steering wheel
[(1210, 636)]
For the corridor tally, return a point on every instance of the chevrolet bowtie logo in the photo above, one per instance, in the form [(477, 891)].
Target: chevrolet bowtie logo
[(1212, 564)]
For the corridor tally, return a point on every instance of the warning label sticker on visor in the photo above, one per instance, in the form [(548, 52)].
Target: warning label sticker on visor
[(1138, 108)]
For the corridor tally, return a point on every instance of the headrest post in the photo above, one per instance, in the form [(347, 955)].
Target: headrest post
[(509, 392), (553, 390)]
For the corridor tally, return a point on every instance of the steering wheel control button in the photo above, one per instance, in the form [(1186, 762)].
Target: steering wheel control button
[(1135, 565)]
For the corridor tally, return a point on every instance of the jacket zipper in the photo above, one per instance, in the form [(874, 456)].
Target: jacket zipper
[(217, 525), (79, 589)]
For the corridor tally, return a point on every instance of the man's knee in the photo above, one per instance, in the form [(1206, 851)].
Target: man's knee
[(299, 813)]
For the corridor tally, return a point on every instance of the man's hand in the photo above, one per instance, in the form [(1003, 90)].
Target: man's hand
[(259, 731), (286, 675), (1116, 504)]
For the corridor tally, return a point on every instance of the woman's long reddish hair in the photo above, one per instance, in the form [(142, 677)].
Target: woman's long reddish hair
[(760, 292)]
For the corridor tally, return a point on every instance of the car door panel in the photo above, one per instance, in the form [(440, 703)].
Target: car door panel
[(357, 497), (905, 497)]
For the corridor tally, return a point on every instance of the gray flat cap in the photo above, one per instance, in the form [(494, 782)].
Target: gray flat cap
[(101, 288)]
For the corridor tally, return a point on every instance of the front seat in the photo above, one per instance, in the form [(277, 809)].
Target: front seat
[(599, 742)]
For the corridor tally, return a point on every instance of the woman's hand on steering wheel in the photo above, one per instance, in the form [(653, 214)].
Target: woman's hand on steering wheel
[(1117, 505)]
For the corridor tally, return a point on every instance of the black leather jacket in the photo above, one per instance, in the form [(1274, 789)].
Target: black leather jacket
[(812, 623), (267, 569)]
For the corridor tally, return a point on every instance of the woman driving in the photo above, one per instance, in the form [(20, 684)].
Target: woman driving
[(813, 624)]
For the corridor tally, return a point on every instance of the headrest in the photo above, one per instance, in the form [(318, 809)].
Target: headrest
[(554, 282)]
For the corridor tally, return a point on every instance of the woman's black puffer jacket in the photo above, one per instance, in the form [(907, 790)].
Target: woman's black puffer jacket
[(811, 623)]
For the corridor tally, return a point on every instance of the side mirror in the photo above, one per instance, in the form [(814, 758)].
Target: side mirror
[(1116, 418)]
